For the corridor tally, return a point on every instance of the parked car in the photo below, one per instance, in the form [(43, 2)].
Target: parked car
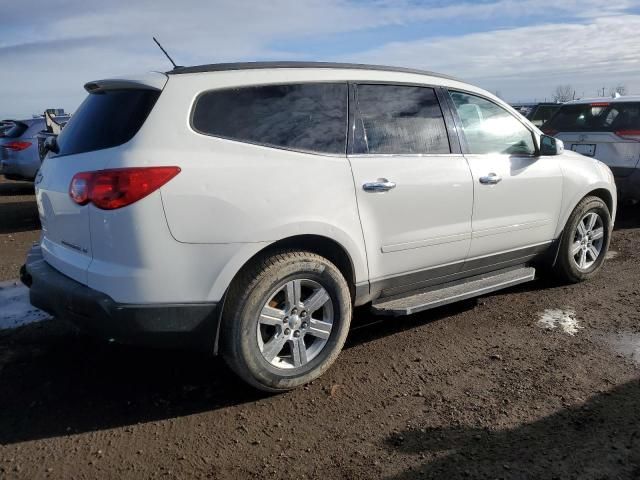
[(523, 109), (608, 129), (542, 113), (4, 126), (19, 153), (246, 209)]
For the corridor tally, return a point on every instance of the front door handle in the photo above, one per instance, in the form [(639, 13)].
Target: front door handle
[(380, 185), (490, 179)]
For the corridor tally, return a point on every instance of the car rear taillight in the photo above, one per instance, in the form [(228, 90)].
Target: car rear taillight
[(629, 134), (79, 188), (17, 146), (117, 188)]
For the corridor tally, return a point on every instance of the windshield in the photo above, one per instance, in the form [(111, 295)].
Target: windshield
[(596, 117)]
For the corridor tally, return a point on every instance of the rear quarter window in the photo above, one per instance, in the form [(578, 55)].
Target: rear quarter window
[(305, 117), (106, 119)]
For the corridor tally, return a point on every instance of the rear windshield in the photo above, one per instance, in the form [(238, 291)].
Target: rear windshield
[(596, 117), (106, 119), (16, 130)]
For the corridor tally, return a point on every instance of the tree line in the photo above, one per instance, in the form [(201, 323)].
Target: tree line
[(565, 93)]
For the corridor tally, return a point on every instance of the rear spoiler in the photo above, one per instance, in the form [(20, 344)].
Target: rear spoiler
[(151, 81)]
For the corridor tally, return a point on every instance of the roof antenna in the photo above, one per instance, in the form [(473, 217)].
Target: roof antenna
[(165, 52)]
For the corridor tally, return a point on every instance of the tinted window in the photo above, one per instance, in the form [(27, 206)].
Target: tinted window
[(310, 117), (106, 119), (16, 130), (399, 120), (489, 128), (596, 117), (542, 114)]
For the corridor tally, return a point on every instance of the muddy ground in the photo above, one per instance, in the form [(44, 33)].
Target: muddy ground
[(481, 389)]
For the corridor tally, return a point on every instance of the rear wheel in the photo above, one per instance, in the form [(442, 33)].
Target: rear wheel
[(585, 241), (286, 320)]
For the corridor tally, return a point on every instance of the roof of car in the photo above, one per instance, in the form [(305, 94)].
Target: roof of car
[(620, 99), (221, 67)]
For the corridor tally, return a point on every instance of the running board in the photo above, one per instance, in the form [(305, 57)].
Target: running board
[(424, 299)]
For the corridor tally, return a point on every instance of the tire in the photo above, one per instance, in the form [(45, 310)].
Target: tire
[(259, 316), (568, 266)]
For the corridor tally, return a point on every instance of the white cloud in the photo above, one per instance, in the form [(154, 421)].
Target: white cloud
[(50, 53), (529, 61)]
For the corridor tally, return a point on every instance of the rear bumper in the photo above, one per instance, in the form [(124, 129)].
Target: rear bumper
[(627, 183), (20, 168), (168, 325)]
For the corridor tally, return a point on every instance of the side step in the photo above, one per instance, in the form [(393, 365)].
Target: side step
[(417, 301)]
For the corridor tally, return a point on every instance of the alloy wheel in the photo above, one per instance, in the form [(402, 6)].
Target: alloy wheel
[(295, 324), (588, 241)]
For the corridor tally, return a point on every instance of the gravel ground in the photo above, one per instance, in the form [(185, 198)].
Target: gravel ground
[(539, 381)]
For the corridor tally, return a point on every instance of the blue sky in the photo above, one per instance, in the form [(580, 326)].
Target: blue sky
[(522, 49)]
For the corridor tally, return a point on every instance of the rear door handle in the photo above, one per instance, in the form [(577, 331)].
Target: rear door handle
[(380, 185), (490, 179)]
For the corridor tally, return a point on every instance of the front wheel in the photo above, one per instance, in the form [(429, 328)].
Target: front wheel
[(286, 320), (585, 241)]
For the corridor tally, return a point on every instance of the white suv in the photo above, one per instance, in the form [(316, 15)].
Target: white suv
[(247, 208)]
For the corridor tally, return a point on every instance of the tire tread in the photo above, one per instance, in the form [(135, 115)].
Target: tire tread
[(563, 268), (239, 293)]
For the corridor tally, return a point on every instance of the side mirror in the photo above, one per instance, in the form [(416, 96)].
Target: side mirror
[(550, 146)]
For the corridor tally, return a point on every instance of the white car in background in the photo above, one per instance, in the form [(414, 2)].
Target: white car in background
[(608, 129), (247, 208)]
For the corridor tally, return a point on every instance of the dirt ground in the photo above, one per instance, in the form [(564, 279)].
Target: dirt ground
[(487, 388), (19, 225)]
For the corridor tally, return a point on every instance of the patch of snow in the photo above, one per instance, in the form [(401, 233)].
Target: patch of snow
[(15, 309), (611, 254), (564, 319)]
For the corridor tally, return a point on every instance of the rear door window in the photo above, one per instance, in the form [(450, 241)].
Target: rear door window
[(596, 117), (106, 119), (398, 119), (307, 117)]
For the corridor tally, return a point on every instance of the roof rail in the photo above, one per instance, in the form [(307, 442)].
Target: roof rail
[(221, 67)]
